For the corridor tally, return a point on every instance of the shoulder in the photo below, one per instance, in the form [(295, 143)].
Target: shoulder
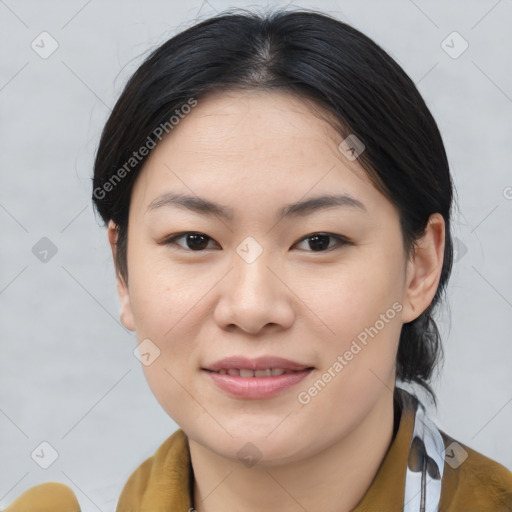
[(472, 481), (167, 467), (160, 480), (49, 496)]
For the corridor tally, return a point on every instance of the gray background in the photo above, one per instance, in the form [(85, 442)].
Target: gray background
[(67, 369)]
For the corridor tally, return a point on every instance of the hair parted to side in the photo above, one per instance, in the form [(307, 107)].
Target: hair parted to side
[(325, 62)]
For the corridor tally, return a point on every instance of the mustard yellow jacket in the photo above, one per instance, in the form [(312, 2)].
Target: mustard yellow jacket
[(164, 482)]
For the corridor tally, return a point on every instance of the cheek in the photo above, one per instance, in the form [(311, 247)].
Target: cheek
[(162, 294), (175, 394), (360, 306), (354, 297), (165, 307)]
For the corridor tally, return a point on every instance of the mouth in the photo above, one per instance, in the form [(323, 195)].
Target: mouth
[(247, 373), (243, 366), (264, 377)]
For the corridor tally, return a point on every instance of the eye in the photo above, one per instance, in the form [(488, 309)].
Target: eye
[(193, 241), (321, 242)]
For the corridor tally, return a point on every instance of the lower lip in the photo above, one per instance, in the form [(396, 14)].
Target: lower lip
[(257, 387)]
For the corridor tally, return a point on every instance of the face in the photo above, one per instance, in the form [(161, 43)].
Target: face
[(269, 278)]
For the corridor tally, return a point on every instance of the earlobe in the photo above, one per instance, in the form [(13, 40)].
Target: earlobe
[(424, 269), (122, 288)]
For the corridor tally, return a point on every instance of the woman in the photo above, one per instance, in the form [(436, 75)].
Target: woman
[(278, 202)]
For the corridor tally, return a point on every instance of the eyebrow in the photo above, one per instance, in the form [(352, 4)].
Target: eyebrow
[(299, 208)]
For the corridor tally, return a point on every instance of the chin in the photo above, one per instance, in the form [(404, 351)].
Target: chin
[(254, 445)]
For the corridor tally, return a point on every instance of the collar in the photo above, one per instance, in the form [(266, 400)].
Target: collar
[(388, 486)]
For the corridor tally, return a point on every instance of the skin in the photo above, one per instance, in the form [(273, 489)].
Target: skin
[(255, 152)]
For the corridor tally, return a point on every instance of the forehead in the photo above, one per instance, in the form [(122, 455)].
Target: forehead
[(236, 145), (244, 121)]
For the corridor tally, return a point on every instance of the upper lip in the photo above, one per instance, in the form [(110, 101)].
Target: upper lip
[(259, 363)]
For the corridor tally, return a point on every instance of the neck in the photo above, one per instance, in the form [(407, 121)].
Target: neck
[(334, 480)]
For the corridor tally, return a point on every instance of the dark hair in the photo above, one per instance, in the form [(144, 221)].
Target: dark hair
[(318, 58)]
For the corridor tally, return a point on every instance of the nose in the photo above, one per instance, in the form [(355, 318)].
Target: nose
[(254, 297)]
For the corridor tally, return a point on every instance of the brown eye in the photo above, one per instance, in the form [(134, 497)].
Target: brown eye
[(321, 242), (192, 241), (196, 242)]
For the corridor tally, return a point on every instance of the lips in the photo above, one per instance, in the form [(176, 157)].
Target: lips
[(260, 378)]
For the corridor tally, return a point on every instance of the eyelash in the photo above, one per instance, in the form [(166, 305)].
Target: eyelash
[(341, 240)]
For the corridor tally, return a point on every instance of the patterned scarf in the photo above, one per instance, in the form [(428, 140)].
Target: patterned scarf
[(425, 465)]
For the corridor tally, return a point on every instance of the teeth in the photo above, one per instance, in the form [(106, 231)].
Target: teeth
[(263, 373), (248, 373)]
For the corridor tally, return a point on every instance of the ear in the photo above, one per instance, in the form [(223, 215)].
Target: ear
[(424, 269), (122, 287)]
